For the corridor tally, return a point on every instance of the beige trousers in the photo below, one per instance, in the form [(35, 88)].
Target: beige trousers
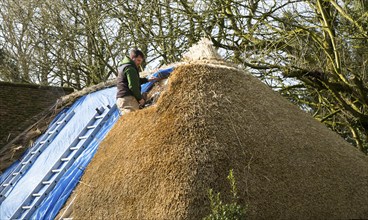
[(127, 104)]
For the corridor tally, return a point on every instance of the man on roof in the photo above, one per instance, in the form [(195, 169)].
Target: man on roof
[(129, 97)]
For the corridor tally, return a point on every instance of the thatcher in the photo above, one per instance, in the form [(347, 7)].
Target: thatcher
[(158, 163)]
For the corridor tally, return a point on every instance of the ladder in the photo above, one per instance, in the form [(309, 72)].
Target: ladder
[(34, 199), (33, 154)]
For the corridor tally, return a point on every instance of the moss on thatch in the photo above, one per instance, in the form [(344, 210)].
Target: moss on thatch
[(158, 163)]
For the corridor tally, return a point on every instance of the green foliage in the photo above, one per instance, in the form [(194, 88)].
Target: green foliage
[(226, 211)]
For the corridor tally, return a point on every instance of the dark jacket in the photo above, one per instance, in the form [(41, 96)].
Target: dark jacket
[(128, 81)]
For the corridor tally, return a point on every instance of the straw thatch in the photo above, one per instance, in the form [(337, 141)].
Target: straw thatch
[(158, 163)]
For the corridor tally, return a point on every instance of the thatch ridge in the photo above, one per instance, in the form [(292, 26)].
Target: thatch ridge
[(29, 85)]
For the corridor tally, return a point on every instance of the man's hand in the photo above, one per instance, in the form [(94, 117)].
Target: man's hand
[(142, 102)]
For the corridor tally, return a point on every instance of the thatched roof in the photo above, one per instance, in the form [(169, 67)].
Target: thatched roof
[(158, 163), (16, 147)]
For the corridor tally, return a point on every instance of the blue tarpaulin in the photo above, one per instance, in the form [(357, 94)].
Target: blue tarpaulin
[(56, 199), (84, 109), (161, 74)]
